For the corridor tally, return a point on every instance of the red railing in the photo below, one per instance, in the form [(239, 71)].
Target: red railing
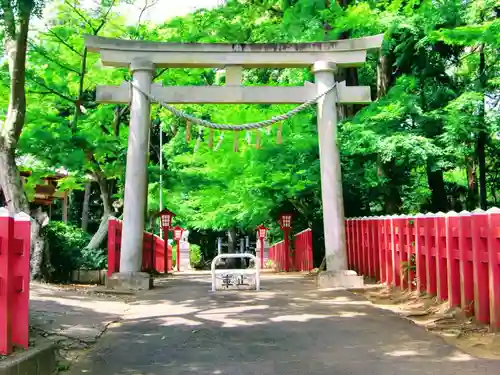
[(303, 256), (300, 259), (454, 256), (14, 280), (153, 250)]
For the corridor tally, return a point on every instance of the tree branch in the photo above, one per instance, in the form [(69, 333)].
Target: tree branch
[(43, 53), (144, 8), (157, 75), (77, 11), (104, 19), (62, 41), (49, 89)]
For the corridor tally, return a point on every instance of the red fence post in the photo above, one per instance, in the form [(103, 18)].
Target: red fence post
[(371, 247), (420, 252), (6, 285), (159, 249), (441, 262), (309, 250), (299, 248), (359, 246), (111, 245), (348, 242), (409, 247), (365, 246), (480, 264), (431, 235), (20, 253), (382, 249), (397, 240), (390, 252), (466, 269), (375, 248), (113, 255), (452, 257), (354, 246), (494, 266), (118, 244)]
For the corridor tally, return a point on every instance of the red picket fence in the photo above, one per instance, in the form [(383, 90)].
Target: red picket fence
[(301, 259), (15, 246), (454, 256), (153, 250)]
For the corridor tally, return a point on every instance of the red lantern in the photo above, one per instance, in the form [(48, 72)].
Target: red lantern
[(286, 226), (261, 233), (285, 221), (165, 224), (178, 233), (177, 237), (166, 217)]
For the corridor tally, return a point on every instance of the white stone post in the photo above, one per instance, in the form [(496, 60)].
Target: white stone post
[(136, 169), (331, 178)]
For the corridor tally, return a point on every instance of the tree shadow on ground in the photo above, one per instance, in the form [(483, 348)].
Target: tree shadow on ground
[(288, 328), (62, 313)]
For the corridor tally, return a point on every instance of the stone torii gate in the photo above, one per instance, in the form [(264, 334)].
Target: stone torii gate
[(143, 58)]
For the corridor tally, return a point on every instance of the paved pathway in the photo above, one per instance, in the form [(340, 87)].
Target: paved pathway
[(289, 328)]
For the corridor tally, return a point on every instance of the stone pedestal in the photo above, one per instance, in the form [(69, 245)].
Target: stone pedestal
[(339, 280), (185, 262), (130, 281)]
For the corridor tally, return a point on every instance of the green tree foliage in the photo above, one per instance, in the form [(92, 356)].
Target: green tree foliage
[(428, 142)]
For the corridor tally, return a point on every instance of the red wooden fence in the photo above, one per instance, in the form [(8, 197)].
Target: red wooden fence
[(14, 280), (301, 259), (153, 250), (454, 256)]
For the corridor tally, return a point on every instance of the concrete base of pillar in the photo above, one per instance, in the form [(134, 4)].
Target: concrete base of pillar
[(130, 281), (339, 280)]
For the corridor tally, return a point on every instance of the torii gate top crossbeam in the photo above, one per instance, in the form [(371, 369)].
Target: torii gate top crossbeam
[(345, 53)]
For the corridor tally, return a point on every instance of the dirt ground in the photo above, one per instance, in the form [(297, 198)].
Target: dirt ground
[(452, 324)]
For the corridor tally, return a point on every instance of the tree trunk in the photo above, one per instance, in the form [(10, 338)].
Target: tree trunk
[(482, 136), (392, 195), (472, 196), (435, 180), (15, 45), (10, 182), (85, 208), (481, 159), (231, 240), (384, 74), (99, 236), (39, 253)]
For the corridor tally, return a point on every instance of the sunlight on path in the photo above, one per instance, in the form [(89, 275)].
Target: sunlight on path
[(288, 328)]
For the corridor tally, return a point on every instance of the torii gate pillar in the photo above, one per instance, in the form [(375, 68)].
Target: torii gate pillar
[(331, 184), (136, 183)]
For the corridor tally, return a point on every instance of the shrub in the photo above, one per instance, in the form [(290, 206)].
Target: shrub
[(68, 252), (93, 259), (174, 255), (195, 257)]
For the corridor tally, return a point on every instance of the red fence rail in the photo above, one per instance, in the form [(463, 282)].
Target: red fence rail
[(455, 257), (14, 280), (153, 250), (300, 259)]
